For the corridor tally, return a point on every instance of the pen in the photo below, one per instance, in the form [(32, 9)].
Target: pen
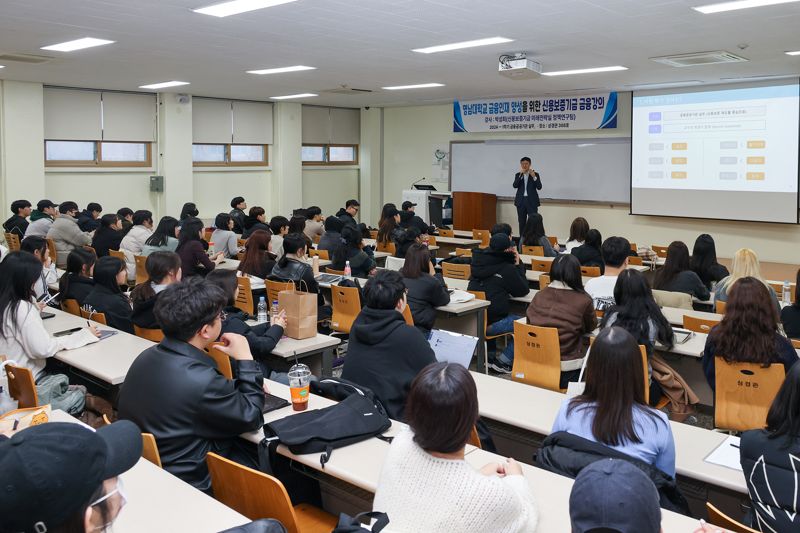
[(16, 424), (734, 445), (88, 324)]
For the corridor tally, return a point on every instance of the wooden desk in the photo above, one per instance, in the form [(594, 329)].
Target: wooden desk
[(449, 244), (323, 345)]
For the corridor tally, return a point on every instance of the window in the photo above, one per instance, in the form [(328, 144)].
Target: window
[(97, 154), (221, 155), (330, 154)]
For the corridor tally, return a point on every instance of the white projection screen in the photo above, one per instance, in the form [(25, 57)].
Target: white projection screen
[(727, 152)]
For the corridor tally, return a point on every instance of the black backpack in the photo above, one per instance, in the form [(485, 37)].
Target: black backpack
[(358, 416)]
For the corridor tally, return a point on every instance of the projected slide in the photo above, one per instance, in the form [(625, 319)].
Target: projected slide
[(729, 153)]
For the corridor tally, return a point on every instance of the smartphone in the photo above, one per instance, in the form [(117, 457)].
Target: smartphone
[(66, 332), (45, 315), (273, 403)]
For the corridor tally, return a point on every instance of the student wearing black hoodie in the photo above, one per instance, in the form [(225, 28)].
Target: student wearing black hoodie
[(254, 221), (332, 237), (87, 220), (498, 272), (76, 283), (106, 296), (163, 269), (18, 222), (348, 212), (385, 354)]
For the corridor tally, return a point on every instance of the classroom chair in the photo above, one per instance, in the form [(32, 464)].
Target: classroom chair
[(373, 234), (474, 438), (481, 295), (431, 240), (553, 241), (100, 318), (537, 357), (544, 281), (664, 400), (240, 256), (386, 247), (346, 307), (634, 248), (207, 234), (463, 252), (777, 286), (444, 232), (21, 386), (719, 307), (51, 246), (635, 260), (699, 325), (118, 254), (222, 359), (322, 254), (407, 315), (150, 449), (720, 519), (329, 270), (70, 305), (141, 271), (275, 287), (541, 266), (590, 272), (241, 243), (744, 393), (244, 300), (482, 235), (12, 240), (315, 239), (395, 263), (155, 335), (681, 300), (537, 251), (456, 271), (661, 251), (599, 314), (258, 495), (795, 343)]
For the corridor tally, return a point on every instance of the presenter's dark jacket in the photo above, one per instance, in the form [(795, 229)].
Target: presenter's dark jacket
[(533, 186), (174, 391)]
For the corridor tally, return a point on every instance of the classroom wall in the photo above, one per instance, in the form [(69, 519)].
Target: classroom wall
[(329, 187), (214, 188), (112, 190)]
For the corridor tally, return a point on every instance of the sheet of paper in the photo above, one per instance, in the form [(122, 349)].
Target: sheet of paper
[(726, 454), (452, 347)]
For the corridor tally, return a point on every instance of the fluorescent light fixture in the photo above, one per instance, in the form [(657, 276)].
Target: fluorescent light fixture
[(226, 9), (417, 86), (291, 96), (665, 85), (463, 44), (164, 85), (738, 4), (78, 44), (281, 70), (2, 66), (795, 53), (584, 71)]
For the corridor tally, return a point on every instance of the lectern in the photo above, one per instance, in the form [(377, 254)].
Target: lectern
[(474, 210)]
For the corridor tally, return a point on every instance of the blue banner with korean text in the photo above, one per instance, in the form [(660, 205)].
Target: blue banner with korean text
[(587, 112)]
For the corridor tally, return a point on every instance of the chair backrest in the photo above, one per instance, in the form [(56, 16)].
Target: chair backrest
[(407, 315), (275, 287), (100, 318), (207, 234), (661, 251), (700, 325), (150, 449), (537, 251), (373, 234), (744, 393), (21, 386), (777, 286), (482, 235), (481, 295), (465, 252), (51, 245), (250, 492), (244, 300), (155, 335), (141, 271), (241, 243), (635, 260), (680, 300), (541, 266), (553, 241), (474, 438), (333, 271), (70, 305), (12, 240), (795, 343), (633, 246), (386, 247), (537, 356), (719, 307), (222, 359), (443, 232), (456, 271), (346, 307), (720, 519), (544, 281), (643, 349), (431, 240), (590, 272), (322, 254), (117, 253), (395, 263)]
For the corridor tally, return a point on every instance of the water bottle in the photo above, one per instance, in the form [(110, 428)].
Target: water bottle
[(787, 292), (347, 270), (262, 310), (274, 311)]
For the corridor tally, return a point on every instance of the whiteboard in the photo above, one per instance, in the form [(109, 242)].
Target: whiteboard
[(571, 169)]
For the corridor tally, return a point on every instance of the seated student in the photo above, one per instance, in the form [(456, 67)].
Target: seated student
[(108, 236), (174, 390), (564, 305), (254, 221), (533, 234), (769, 460), (238, 205), (406, 217), (63, 477), (279, 226), (164, 238), (790, 315), (501, 227), (38, 247), (589, 253), (425, 483), (748, 332), (65, 232), (223, 237), (18, 222), (348, 212), (498, 272), (405, 240), (350, 250), (87, 220), (611, 411), (293, 267), (125, 215), (133, 242), (163, 269), (333, 234), (24, 337), (42, 218), (416, 221), (107, 297), (704, 261), (745, 264), (390, 230), (258, 261), (615, 256), (613, 495), (387, 211), (194, 260), (426, 291), (261, 338), (77, 282), (297, 224), (315, 227), (676, 275), (384, 353), (189, 210), (577, 234)]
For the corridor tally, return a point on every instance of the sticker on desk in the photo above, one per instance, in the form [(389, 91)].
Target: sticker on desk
[(726, 454)]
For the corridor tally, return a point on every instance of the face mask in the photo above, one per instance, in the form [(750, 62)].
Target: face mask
[(120, 489)]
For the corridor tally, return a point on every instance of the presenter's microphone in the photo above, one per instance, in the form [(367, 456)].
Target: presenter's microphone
[(421, 179)]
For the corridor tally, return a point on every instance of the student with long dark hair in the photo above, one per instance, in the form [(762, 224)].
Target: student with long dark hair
[(564, 305), (351, 249), (790, 315), (108, 236), (223, 237), (164, 238), (163, 269), (748, 332), (577, 233), (125, 215), (297, 224), (704, 261), (189, 210), (258, 261), (533, 234), (77, 282), (38, 247), (255, 220), (677, 276), (293, 267), (107, 296), (390, 229), (426, 291), (194, 260), (333, 234), (387, 211), (769, 460), (612, 411), (590, 252)]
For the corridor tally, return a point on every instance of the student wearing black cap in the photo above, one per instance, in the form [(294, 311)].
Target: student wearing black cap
[(416, 221), (60, 477), (42, 218)]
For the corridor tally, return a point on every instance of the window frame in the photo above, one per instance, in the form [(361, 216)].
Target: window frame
[(228, 163), (327, 155), (98, 157)]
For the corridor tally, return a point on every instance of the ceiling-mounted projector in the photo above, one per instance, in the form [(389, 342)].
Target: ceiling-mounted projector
[(519, 67)]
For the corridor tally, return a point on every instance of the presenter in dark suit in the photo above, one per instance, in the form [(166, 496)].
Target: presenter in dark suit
[(527, 183)]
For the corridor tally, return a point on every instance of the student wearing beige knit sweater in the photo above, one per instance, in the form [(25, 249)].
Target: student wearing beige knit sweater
[(426, 485)]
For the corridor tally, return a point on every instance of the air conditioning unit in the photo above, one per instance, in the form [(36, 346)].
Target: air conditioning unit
[(699, 58)]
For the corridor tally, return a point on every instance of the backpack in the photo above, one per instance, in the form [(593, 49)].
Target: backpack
[(358, 416), (349, 524)]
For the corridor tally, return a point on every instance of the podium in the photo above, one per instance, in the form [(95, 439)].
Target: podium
[(474, 210), (429, 204)]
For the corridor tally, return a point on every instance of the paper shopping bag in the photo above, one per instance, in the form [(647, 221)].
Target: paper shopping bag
[(301, 313)]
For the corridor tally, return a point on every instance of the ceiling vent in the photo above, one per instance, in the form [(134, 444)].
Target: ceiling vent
[(344, 89), (699, 58), (25, 58)]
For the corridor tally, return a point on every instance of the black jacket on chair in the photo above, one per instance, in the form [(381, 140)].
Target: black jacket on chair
[(174, 391), (252, 224), (114, 305), (567, 454), (143, 315), (589, 256), (531, 200), (261, 338), (425, 294), (496, 274), (78, 289)]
